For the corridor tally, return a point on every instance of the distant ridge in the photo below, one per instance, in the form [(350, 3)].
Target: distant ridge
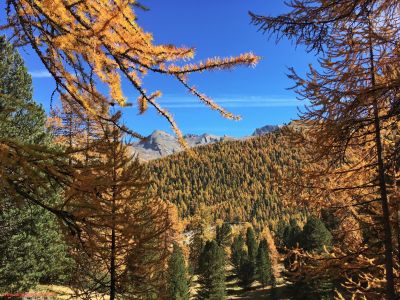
[(160, 143), (265, 129)]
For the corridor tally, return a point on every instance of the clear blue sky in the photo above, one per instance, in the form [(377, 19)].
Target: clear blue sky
[(214, 28)]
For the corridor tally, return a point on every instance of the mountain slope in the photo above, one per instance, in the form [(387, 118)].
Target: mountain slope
[(160, 144), (231, 180), (265, 130)]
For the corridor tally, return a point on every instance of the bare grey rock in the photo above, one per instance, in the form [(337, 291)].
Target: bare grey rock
[(265, 129), (160, 143)]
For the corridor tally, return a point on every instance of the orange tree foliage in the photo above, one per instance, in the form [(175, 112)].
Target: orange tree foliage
[(352, 118), (125, 234), (236, 181), (84, 43)]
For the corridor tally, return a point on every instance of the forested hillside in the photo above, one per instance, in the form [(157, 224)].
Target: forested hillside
[(309, 211), (234, 181)]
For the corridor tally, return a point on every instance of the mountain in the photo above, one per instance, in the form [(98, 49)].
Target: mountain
[(160, 143), (235, 180), (265, 129)]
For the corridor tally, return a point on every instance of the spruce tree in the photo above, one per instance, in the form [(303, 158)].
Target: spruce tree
[(264, 272), (212, 272), (315, 235), (178, 283)]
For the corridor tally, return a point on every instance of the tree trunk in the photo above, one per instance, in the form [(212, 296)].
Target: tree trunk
[(113, 211), (390, 290), (385, 209)]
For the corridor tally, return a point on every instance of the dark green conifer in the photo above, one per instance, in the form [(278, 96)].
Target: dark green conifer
[(264, 271), (224, 235), (315, 235), (178, 283), (211, 272), (247, 272), (237, 252), (251, 244), (32, 249), (292, 234), (21, 119)]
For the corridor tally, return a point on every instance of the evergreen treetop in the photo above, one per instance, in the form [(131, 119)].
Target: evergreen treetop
[(178, 283), (315, 235), (212, 272)]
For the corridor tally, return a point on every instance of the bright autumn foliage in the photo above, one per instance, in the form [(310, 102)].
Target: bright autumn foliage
[(85, 43), (350, 124), (125, 235)]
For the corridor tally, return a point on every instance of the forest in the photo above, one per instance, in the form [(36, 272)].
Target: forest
[(233, 181), (310, 210)]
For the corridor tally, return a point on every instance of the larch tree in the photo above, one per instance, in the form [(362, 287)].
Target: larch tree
[(273, 255), (352, 107), (84, 45), (125, 234), (102, 42)]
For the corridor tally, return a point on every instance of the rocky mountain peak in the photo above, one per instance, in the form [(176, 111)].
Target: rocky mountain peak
[(265, 129), (160, 143)]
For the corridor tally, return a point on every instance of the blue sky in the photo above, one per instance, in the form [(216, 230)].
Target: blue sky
[(214, 28)]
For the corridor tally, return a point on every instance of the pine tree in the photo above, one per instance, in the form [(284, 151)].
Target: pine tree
[(251, 244), (32, 247), (264, 268), (291, 234), (212, 273), (315, 235), (31, 167), (224, 235), (197, 242), (21, 118), (178, 283), (237, 252), (247, 272)]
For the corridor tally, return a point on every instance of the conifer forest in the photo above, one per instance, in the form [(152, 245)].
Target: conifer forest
[(93, 207)]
